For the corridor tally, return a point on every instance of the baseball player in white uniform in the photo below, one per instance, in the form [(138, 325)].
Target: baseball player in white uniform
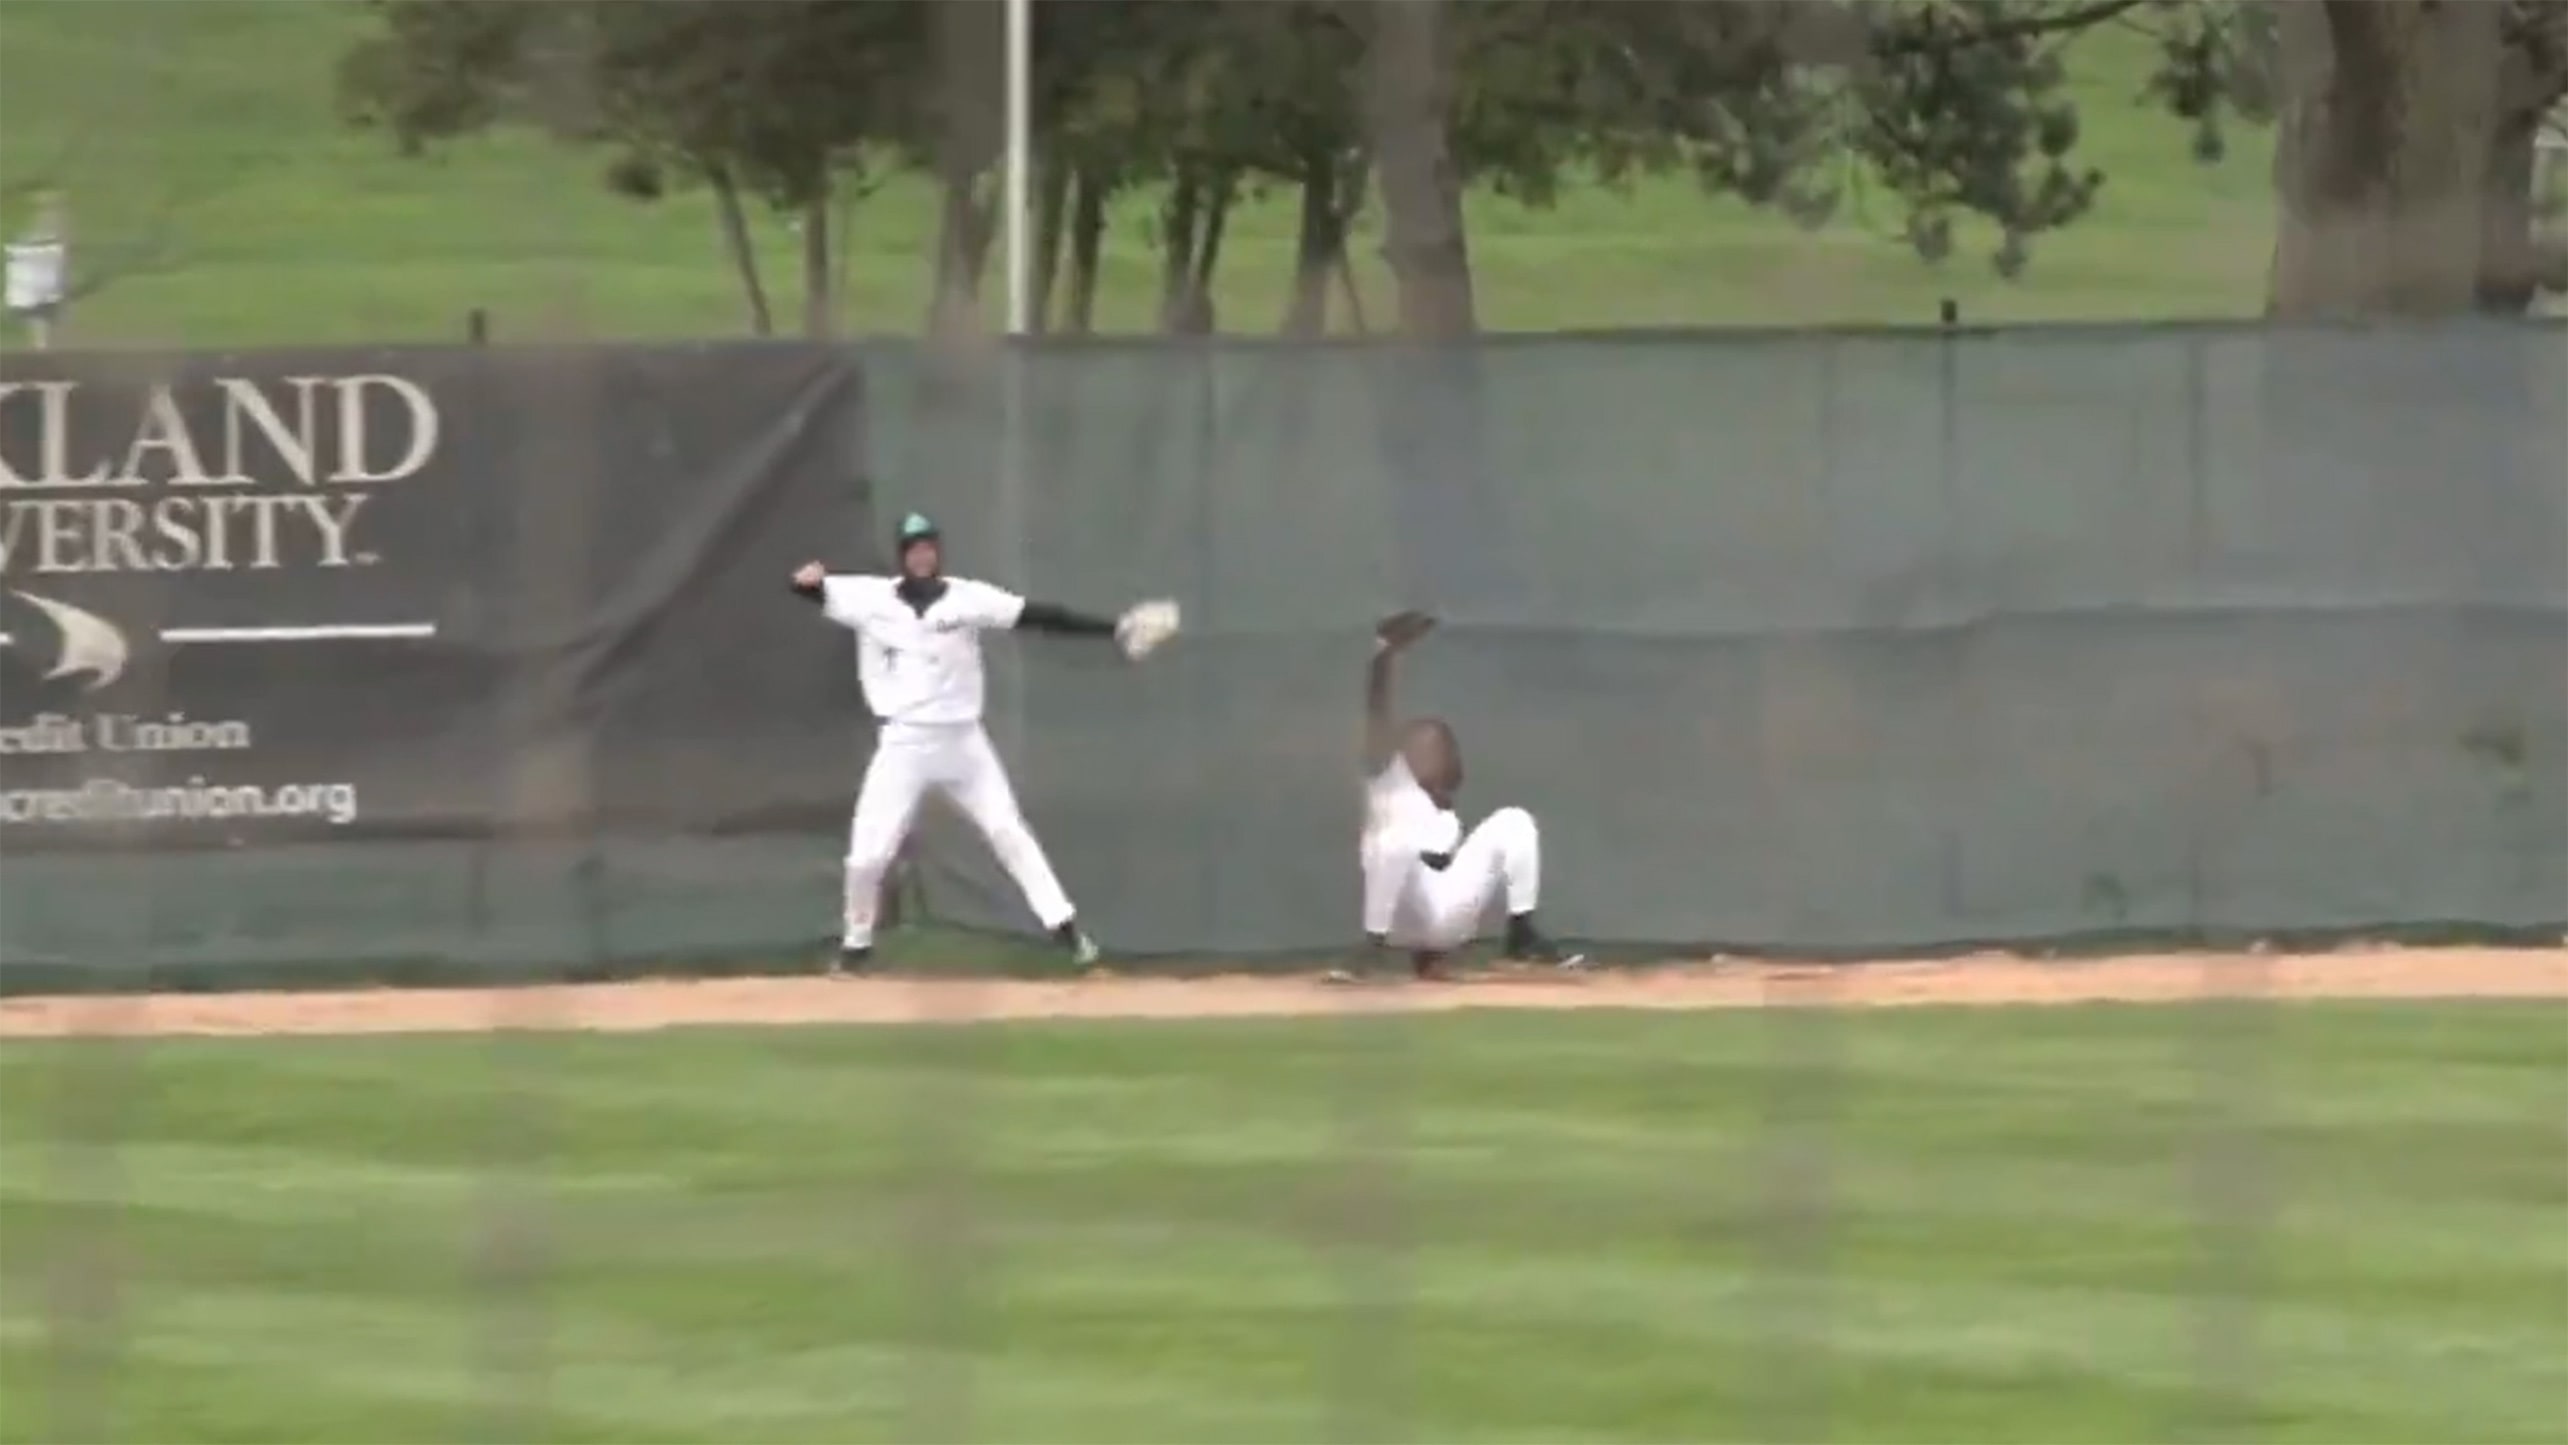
[(918, 654), (1427, 884)]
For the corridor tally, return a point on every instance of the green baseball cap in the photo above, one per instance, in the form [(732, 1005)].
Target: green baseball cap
[(916, 528)]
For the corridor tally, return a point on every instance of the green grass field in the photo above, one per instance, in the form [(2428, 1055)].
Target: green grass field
[(2036, 1225), (213, 120)]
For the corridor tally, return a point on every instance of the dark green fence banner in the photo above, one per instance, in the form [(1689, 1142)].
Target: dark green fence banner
[(344, 656), (479, 660)]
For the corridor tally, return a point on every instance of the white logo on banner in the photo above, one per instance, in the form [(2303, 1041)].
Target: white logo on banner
[(89, 643)]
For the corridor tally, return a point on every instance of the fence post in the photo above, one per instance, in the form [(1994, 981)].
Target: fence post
[(2197, 557), (2197, 456), (1213, 851), (1952, 887), (1948, 441)]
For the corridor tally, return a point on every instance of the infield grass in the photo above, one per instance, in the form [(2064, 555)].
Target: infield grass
[(210, 125), (2318, 1223)]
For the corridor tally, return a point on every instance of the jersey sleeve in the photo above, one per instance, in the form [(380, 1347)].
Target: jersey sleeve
[(842, 600), (978, 604), (1394, 778)]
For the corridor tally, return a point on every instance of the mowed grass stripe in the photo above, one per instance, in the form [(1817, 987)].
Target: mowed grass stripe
[(723, 1338), (1583, 1227), (2049, 1226)]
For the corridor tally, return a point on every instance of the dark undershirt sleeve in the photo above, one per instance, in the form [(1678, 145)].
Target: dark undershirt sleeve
[(1050, 617), (813, 595)]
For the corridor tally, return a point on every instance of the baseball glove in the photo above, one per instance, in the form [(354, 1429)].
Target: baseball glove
[(1402, 628), (1144, 626)]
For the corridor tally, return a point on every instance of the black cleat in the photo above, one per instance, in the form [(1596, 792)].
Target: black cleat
[(851, 962), (1526, 944), (1369, 965), (1083, 949)]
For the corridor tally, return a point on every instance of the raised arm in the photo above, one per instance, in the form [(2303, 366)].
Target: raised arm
[(811, 582), (1391, 637), (1381, 734), (833, 593)]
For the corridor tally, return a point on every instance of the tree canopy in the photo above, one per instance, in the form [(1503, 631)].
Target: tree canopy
[(2405, 126)]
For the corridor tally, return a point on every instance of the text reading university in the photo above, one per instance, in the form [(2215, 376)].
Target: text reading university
[(267, 478)]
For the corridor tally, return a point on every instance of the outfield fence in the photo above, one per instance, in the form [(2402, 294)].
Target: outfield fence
[(1840, 643)]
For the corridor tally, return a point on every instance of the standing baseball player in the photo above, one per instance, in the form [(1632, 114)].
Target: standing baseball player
[(918, 654), (1426, 884)]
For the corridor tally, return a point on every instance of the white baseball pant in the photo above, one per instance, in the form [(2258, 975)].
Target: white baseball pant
[(956, 759), (1439, 909)]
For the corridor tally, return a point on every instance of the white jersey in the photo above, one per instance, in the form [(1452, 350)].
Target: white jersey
[(1400, 818), (920, 667)]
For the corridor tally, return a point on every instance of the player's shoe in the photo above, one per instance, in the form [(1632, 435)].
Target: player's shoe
[(1083, 949), (1526, 944), (1366, 975), (1369, 965), (1429, 968), (851, 962)]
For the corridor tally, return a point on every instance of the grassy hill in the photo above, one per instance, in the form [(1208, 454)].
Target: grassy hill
[(211, 122)]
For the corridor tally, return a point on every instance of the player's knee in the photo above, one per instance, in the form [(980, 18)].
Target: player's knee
[(1515, 828), (870, 859)]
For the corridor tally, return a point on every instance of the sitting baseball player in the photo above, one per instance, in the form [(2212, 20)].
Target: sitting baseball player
[(1426, 884)]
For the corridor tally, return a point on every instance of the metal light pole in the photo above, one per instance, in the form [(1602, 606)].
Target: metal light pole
[(2550, 200), (1020, 164), (1015, 524)]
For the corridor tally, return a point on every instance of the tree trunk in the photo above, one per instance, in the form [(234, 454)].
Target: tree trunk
[(1208, 249), (1317, 246), (842, 226), (1052, 205), (2509, 258), (1358, 185), (1410, 89), (1177, 241), (743, 252), (962, 253), (1345, 267), (1087, 241), (2517, 260), (2387, 121), (818, 311), (1195, 315), (967, 116), (981, 228)]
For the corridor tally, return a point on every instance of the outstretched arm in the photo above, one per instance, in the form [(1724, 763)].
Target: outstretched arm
[(1053, 618), (1391, 637), (1141, 629), (982, 605)]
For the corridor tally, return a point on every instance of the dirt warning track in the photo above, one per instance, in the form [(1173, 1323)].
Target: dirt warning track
[(663, 1004)]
